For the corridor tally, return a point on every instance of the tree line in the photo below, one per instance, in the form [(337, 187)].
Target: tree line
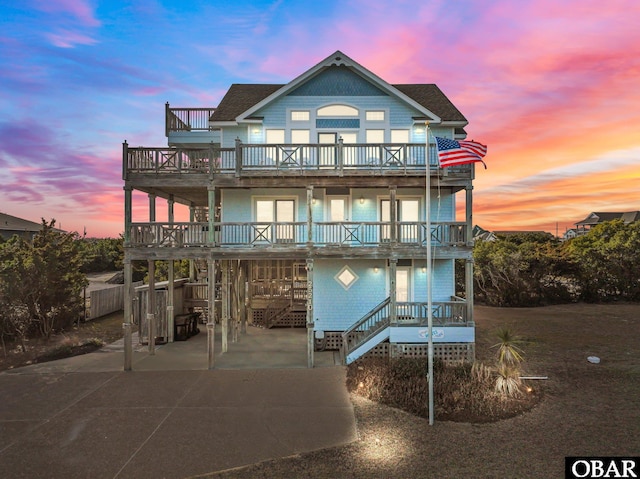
[(42, 280), (535, 269)]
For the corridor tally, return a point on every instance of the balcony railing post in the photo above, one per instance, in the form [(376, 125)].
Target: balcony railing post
[(211, 195), (167, 120), (211, 160), (340, 156), (238, 157), (393, 214), (309, 216), (125, 160)]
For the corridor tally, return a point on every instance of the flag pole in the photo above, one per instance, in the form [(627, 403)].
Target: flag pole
[(429, 286)]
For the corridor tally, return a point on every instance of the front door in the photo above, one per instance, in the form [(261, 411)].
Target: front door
[(338, 214), (404, 291)]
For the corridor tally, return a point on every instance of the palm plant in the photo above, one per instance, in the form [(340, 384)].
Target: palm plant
[(509, 357), (508, 351)]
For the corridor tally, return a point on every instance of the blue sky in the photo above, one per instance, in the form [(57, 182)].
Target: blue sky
[(551, 87)]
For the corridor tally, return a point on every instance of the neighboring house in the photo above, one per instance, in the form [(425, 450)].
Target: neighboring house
[(570, 234), (12, 225), (583, 227), (307, 209), (480, 233)]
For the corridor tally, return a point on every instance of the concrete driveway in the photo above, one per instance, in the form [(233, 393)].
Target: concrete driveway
[(85, 417)]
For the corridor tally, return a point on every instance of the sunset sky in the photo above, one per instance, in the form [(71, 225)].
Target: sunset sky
[(552, 87)]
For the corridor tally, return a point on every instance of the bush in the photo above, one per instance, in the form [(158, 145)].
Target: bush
[(462, 391)]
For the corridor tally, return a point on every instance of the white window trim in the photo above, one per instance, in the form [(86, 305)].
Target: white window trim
[(384, 115), (294, 120)]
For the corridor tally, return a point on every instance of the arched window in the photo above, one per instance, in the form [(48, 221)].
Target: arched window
[(337, 111)]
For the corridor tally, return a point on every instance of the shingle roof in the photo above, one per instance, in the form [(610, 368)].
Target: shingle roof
[(599, 217), (240, 97), (13, 223), (631, 216), (432, 98)]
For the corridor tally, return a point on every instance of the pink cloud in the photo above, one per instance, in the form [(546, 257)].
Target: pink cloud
[(69, 39), (80, 9)]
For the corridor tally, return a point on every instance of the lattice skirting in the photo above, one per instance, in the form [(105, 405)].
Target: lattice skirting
[(258, 317), (295, 319), (448, 352)]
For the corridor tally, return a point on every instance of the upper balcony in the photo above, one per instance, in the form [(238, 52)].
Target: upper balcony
[(189, 126), (270, 160)]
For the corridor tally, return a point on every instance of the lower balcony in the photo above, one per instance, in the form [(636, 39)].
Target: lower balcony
[(296, 234)]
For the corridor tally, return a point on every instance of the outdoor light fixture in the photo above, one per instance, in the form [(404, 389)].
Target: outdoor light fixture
[(313, 201), (361, 200), (375, 269), (424, 269)]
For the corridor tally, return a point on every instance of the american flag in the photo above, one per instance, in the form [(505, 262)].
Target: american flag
[(453, 152)]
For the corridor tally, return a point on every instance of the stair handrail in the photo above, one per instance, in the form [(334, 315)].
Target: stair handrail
[(359, 331)]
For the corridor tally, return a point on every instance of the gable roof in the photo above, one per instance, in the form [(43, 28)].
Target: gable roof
[(13, 223), (600, 217), (242, 100)]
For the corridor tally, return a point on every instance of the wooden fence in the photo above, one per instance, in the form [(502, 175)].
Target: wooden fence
[(101, 302)]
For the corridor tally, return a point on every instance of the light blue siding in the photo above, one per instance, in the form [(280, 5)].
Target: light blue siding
[(230, 133), (443, 282), (334, 308), (337, 81), (237, 204)]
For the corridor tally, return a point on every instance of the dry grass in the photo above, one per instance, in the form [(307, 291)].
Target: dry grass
[(586, 409), (81, 339)]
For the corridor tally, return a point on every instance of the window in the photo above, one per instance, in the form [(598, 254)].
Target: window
[(299, 115), (300, 137), (337, 110), (374, 115), (275, 137), (349, 138), (275, 211), (399, 136), (375, 136), (346, 277), (408, 214)]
